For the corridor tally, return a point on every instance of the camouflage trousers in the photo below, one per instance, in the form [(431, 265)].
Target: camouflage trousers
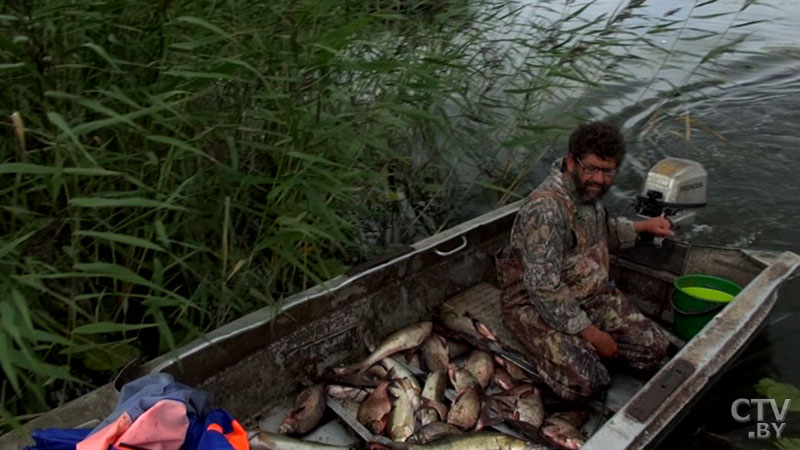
[(569, 364)]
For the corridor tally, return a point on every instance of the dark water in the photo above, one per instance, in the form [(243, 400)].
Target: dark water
[(743, 115), (744, 133)]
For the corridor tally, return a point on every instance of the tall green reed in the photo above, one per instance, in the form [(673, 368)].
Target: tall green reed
[(188, 161)]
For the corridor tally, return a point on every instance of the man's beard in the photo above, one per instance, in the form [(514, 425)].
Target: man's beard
[(584, 194)]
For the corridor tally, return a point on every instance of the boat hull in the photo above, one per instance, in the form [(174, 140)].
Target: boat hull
[(253, 364)]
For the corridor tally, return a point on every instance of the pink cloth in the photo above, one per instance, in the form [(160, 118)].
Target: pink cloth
[(162, 427)]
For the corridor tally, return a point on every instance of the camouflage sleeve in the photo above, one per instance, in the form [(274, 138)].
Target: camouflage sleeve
[(542, 231), (620, 233)]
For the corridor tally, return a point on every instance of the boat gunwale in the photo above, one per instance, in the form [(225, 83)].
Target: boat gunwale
[(624, 431), (251, 321), (264, 315)]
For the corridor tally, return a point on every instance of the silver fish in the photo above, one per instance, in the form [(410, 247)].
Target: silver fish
[(465, 324), (378, 371), (396, 370), (432, 411), (462, 379), (340, 392), (433, 431), (435, 353), (401, 423), (435, 385), (493, 412), (521, 406), (274, 441), (428, 416), (529, 409), (481, 365), (404, 380), (562, 433), (477, 441), (465, 409), (402, 339), (459, 323), (374, 411), (307, 411)]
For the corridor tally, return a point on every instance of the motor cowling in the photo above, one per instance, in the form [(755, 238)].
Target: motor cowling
[(673, 188)]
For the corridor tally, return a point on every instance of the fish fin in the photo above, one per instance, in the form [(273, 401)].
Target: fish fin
[(368, 339), (439, 407), (485, 331)]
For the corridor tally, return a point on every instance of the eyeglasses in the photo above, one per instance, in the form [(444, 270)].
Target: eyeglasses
[(591, 170)]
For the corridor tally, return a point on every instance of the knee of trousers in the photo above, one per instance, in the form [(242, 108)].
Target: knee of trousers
[(575, 385), (655, 347), (645, 355)]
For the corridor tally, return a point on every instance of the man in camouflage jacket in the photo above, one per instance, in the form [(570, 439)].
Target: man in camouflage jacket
[(556, 294)]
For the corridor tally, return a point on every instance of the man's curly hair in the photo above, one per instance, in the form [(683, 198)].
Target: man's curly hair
[(601, 138)]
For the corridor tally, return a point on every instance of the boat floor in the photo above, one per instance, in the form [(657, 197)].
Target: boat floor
[(479, 303)]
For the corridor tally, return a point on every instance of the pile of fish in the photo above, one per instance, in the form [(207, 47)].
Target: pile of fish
[(423, 391)]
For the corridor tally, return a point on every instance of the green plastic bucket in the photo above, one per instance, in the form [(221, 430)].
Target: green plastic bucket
[(697, 299)]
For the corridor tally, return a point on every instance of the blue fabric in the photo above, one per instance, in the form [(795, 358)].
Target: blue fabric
[(57, 438), (137, 397), (141, 394), (213, 441), (195, 432), (199, 438)]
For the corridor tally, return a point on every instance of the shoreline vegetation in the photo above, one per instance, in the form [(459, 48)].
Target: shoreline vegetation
[(169, 167)]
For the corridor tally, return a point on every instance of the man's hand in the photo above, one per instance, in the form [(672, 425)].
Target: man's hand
[(658, 226), (602, 341)]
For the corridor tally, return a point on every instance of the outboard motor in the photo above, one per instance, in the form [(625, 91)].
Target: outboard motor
[(673, 188)]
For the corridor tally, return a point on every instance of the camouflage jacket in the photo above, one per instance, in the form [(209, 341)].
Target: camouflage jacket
[(543, 238)]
